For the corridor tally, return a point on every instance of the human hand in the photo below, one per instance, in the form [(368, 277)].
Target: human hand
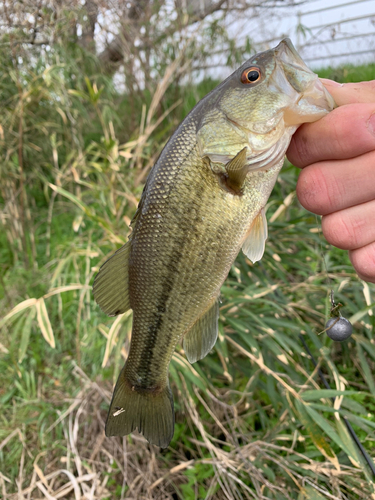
[(337, 155)]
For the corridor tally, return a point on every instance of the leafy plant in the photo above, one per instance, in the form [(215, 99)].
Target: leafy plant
[(252, 420)]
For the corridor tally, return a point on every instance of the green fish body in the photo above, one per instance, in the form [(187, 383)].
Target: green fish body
[(203, 201)]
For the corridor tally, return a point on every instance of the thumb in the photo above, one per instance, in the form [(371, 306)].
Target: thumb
[(349, 93)]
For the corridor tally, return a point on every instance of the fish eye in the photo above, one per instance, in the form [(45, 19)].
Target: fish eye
[(251, 75)]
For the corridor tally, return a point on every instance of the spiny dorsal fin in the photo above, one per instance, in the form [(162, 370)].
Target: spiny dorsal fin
[(254, 244), (237, 170), (201, 337), (111, 284)]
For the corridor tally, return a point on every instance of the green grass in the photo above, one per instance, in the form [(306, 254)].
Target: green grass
[(252, 420), (349, 73)]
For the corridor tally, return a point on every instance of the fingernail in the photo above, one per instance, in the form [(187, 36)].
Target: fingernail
[(331, 82), (371, 124)]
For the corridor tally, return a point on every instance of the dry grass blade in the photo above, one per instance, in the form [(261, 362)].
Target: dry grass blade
[(11, 436), (18, 308), (237, 435), (66, 288), (176, 468), (112, 334), (44, 322), (259, 361)]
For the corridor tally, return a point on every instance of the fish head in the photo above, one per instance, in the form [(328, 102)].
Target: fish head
[(261, 105)]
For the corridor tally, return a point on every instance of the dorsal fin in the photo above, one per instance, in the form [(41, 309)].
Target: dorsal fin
[(111, 284)]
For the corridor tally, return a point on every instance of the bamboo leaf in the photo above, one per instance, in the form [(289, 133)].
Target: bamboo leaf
[(343, 432), (355, 456), (366, 423), (359, 315), (366, 369), (112, 334), (66, 288), (309, 493), (312, 395), (327, 428), (120, 352), (72, 198), (44, 322), (90, 213), (25, 337), (19, 307), (77, 93), (17, 326), (316, 435), (181, 364), (367, 346)]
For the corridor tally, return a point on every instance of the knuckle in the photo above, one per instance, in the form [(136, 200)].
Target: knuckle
[(313, 191), (337, 143), (301, 150), (363, 260), (347, 130), (338, 231), (369, 86)]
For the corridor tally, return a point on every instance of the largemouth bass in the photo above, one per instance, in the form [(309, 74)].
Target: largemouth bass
[(203, 201)]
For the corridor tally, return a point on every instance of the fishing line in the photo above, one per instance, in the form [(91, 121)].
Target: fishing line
[(319, 227), (354, 436), (339, 329)]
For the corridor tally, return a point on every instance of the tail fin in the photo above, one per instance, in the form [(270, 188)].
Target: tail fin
[(151, 412)]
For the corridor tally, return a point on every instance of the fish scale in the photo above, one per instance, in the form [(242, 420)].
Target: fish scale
[(204, 199)]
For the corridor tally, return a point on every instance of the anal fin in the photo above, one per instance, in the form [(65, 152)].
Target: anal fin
[(254, 244), (201, 337), (111, 284)]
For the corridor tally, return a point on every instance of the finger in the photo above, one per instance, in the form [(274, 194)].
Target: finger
[(350, 228), (329, 186), (344, 133), (348, 93), (363, 260)]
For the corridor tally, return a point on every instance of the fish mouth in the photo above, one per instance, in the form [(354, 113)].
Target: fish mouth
[(287, 52), (310, 98)]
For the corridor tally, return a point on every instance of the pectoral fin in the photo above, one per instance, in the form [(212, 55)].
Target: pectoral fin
[(254, 244), (111, 284), (236, 170), (201, 337)]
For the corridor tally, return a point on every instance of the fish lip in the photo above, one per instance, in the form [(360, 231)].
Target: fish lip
[(319, 105), (317, 85), (287, 45), (286, 54), (331, 102)]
